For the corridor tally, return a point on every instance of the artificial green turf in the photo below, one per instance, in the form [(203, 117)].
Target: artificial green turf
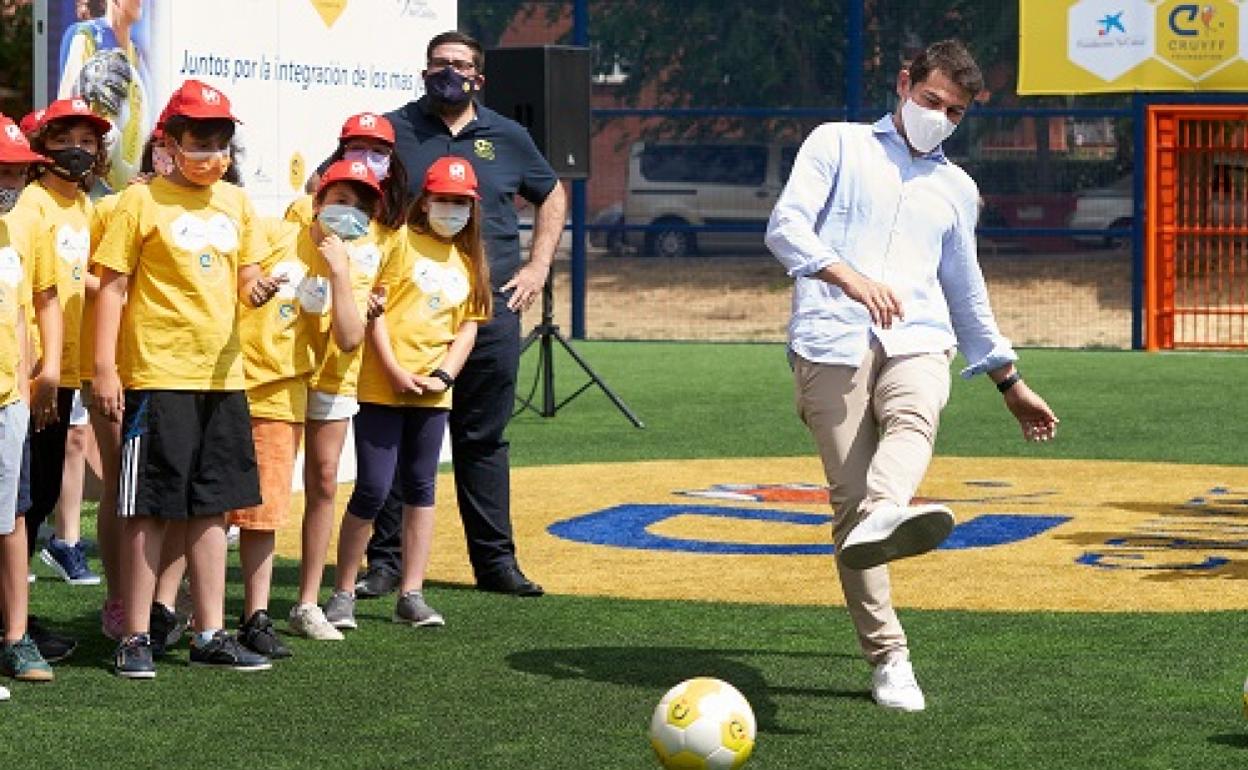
[(569, 682), (735, 400)]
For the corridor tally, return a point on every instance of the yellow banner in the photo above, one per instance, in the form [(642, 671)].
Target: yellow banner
[(1099, 46)]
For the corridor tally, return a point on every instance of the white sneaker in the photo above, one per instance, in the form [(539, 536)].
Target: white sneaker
[(309, 621), (4, 693), (893, 686), (893, 532)]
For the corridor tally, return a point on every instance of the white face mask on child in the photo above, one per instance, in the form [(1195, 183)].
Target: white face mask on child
[(447, 219)]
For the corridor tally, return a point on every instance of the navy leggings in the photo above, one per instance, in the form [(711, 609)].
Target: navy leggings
[(408, 438)]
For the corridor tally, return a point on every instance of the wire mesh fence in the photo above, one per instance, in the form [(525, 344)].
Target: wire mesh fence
[(699, 108)]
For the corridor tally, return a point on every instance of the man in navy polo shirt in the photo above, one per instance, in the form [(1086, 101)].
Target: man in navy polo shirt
[(448, 120)]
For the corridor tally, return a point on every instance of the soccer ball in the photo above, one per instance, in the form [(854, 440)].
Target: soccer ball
[(702, 724)]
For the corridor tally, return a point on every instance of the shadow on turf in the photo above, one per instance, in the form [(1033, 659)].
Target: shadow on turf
[(658, 668), (1234, 740)]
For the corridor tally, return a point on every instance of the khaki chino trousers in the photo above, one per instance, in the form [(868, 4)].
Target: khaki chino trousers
[(875, 426)]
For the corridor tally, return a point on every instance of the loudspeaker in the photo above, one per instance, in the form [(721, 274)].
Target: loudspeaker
[(546, 90)]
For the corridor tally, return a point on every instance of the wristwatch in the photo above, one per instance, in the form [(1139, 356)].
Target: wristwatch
[(442, 374)]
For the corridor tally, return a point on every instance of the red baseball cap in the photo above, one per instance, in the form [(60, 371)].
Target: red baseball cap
[(349, 171), (14, 147), (198, 101), (450, 175), (368, 125), (75, 107), (30, 122)]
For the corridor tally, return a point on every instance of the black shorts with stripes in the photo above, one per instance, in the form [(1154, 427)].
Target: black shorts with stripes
[(186, 453)]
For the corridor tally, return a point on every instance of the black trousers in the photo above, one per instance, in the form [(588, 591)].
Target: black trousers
[(483, 399), (47, 467)]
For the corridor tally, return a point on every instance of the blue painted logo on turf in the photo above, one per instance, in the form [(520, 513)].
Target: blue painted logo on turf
[(628, 526)]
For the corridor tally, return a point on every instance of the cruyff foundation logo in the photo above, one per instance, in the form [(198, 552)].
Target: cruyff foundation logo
[(634, 525)]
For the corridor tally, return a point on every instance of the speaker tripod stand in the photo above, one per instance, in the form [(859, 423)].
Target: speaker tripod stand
[(546, 334)]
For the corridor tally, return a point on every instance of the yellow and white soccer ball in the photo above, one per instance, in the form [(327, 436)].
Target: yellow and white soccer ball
[(703, 724)]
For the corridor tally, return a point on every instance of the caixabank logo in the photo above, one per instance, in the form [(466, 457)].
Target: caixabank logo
[(1197, 39), (1109, 37)]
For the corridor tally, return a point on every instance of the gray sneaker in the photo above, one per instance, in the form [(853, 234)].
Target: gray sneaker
[(340, 609), (413, 610)]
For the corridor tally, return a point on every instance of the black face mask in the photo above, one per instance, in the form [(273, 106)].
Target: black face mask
[(72, 163), (448, 86)]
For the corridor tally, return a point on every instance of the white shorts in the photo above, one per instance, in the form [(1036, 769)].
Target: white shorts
[(14, 419), (330, 407), (78, 412)]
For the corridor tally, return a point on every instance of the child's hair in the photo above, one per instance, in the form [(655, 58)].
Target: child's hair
[(39, 143), (394, 196), (372, 201), (178, 126), (468, 241)]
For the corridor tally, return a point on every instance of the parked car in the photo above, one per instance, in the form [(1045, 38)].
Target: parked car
[(728, 187), (1104, 208)]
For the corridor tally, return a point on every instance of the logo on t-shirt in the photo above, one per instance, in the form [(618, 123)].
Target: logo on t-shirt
[(190, 233), (366, 258), (10, 267), (314, 296), (445, 286), (72, 246), (484, 149)]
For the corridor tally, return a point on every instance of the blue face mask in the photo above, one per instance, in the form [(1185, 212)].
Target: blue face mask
[(347, 222)]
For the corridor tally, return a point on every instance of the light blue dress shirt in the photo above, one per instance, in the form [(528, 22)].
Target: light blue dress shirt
[(858, 196)]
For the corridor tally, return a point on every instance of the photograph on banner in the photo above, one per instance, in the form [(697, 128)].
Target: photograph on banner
[(1102, 46), (292, 69)]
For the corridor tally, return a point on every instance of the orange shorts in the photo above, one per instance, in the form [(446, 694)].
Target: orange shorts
[(276, 442)]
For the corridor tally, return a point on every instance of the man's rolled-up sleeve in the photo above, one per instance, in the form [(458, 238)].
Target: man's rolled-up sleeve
[(792, 231)]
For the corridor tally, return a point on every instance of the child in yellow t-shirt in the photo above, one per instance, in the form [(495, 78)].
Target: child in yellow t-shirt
[(315, 303), (57, 210), (414, 352), (369, 139), (183, 251), (22, 658)]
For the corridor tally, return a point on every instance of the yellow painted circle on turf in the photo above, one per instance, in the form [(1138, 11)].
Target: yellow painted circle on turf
[(1131, 536)]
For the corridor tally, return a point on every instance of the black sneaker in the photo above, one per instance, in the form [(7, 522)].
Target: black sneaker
[(52, 646), (133, 659), (166, 628), (376, 582), (224, 651), (258, 635)]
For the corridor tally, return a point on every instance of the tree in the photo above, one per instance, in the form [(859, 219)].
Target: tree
[(16, 54)]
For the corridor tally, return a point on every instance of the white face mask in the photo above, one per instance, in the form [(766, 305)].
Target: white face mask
[(925, 129), (447, 219)]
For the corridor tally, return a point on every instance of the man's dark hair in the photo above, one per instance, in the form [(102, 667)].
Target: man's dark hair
[(455, 36), (951, 58)]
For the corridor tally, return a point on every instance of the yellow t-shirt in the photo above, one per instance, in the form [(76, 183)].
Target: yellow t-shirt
[(277, 337), (101, 213), (182, 248), (375, 261), (423, 314), (14, 299), (300, 211), (57, 233)]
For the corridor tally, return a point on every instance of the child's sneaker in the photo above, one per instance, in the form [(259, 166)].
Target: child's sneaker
[(166, 627), (340, 609), (308, 620), (413, 610), (52, 646), (224, 651), (69, 561), (133, 659), (113, 619), (22, 661), (257, 634)]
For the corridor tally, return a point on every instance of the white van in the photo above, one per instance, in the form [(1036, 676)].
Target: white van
[(725, 190)]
